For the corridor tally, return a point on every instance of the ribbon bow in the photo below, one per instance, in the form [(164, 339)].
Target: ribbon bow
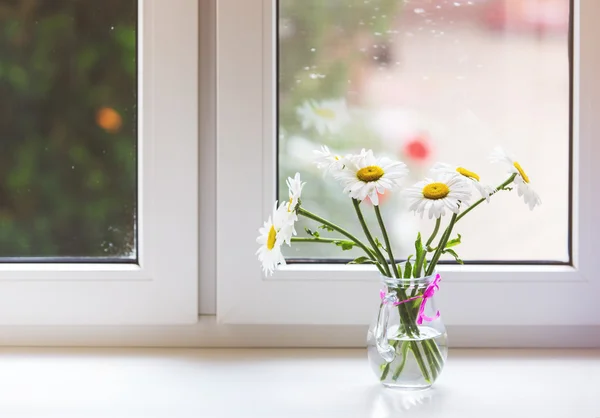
[(427, 294)]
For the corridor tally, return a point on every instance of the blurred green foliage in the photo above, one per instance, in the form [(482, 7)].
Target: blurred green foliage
[(68, 172)]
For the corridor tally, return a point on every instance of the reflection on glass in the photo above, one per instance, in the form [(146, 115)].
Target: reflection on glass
[(424, 80), (68, 128)]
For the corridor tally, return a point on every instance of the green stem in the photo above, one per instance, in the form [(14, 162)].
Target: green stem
[(433, 365), (436, 352), (441, 246), (365, 228), (310, 215), (474, 205), (438, 221), (404, 352), (322, 240), (386, 239), (386, 368), (414, 346), (407, 319)]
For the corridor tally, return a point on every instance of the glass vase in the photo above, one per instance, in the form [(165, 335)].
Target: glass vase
[(407, 343)]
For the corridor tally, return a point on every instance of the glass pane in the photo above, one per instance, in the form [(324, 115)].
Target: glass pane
[(68, 103), (426, 81)]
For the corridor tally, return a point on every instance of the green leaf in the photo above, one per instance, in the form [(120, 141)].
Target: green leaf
[(326, 227), (346, 245), (312, 233), (453, 242), (420, 256), (399, 267), (453, 253), (362, 260), (407, 270), (379, 244)]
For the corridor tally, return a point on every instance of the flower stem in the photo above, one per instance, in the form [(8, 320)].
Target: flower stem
[(386, 368), (310, 215), (329, 241), (414, 346), (441, 245), (436, 352), (386, 239), (365, 228), (438, 221), (433, 365), (322, 240), (404, 352), (474, 205)]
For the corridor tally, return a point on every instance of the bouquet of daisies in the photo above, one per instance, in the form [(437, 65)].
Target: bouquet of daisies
[(364, 176), (446, 192)]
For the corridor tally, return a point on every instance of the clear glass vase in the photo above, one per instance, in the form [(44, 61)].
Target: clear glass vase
[(407, 343)]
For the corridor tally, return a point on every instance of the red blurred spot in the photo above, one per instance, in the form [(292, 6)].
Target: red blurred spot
[(381, 196), (417, 148)]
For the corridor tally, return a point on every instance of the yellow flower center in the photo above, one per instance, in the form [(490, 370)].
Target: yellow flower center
[(521, 172), (289, 206), (325, 113), (271, 238), (370, 173), (435, 191), (467, 173)]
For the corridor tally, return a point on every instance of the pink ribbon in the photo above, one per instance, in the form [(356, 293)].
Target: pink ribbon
[(427, 294)]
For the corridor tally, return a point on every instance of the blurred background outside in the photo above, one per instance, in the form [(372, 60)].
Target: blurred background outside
[(68, 133), (427, 81)]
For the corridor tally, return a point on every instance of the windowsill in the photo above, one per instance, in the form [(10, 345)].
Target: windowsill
[(179, 383)]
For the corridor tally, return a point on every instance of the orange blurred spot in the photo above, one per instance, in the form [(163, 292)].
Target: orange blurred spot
[(109, 120)]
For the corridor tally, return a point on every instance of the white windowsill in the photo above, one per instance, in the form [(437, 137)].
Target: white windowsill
[(180, 383)]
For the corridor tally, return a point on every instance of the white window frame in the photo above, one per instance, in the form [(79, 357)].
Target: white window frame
[(506, 296), (162, 287)]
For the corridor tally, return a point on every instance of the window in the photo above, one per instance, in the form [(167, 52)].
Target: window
[(99, 173), (509, 295), (68, 83), (424, 81)]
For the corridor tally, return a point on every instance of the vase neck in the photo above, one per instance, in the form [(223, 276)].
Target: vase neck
[(396, 283)]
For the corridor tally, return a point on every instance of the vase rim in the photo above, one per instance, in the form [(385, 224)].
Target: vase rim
[(392, 281)]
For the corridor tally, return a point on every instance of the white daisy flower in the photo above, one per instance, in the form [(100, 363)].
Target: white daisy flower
[(326, 115), (366, 176), (484, 190), (295, 186), (275, 232), (328, 161), (521, 180), (445, 191)]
